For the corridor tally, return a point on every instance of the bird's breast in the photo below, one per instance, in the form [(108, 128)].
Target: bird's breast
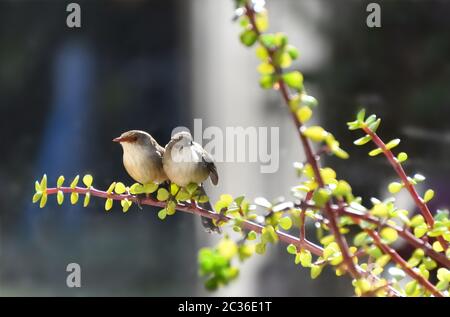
[(143, 166)]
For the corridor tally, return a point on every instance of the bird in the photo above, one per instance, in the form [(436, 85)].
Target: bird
[(184, 162), (142, 157)]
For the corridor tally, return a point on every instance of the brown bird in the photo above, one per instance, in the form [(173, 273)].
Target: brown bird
[(142, 157), (185, 162)]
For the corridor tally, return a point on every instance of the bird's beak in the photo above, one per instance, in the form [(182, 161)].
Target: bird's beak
[(119, 139)]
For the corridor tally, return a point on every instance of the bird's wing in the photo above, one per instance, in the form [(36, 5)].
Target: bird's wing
[(209, 162), (159, 149)]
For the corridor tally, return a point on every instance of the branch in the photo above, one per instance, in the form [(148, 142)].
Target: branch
[(401, 173), (311, 158), (405, 234), (197, 210), (401, 262), (402, 232), (192, 209)]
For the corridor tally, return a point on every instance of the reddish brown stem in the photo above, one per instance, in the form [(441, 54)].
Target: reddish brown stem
[(425, 211), (310, 157), (403, 264), (402, 232), (302, 231), (188, 208), (196, 210)]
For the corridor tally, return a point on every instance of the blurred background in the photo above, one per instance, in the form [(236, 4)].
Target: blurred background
[(155, 65)]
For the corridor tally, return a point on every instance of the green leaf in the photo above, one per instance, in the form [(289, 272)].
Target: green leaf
[(171, 208), (443, 274), (285, 223), (74, 198), (280, 39), (268, 234), (321, 197), (394, 187), (437, 231), (374, 126), (191, 188), (43, 184), (60, 181), (150, 188), (183, 195), (267, 81), (315, 133), (226, 199), (304, 114), (437, 246), (417, 220), (410, 288), (111, 188), (251, 235), (248, 37), (361, 115), (429, 194), (292, 51), (370, 119), (402, 157), (392, 144), (108, 204), (239, 200), (261, 53), (43, 200), (87, 180), (354, 125), (120, 188), (75, 182), (375, 152), (60, 197), (442, 285), (126, 204), (363, 140), (268, 40), (162, 194), (262, 21), (389, 234), (260, 248), (420, 230), (294, 79), (361, 239), (136, 189), (87, 199), (37, 196), (266, 68), (291, 249), (308, 101), (285, 60), (305, 258), (162, 214), (316, 270)]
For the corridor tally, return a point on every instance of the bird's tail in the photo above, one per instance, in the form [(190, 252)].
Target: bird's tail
[(208, 223)]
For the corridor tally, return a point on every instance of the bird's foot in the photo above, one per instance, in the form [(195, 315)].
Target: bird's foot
[(139, 199)]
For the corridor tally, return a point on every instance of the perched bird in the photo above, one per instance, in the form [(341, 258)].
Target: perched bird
[(142, 157), (185, 162)]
